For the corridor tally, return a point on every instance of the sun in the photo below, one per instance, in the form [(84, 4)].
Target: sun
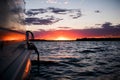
[(62, 38)]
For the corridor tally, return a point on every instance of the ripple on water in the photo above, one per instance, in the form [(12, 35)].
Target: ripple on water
[(77, 61)]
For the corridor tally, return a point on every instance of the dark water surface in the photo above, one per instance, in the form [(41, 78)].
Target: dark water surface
[(77, 60)]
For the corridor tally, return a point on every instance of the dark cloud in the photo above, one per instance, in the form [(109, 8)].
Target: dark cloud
[(76, 16), (38, 21), (97, 11), (118, 26), (106, 30), (49, 18), (58, 10), (107, 25), (52, 10), (74, 13), (31, 20), (43, 22), (17, 10), (33, 12)]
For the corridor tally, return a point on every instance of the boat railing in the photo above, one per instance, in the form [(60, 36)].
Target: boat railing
[(31, 46)]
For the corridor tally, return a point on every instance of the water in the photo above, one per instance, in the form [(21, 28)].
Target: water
[(77, 60)]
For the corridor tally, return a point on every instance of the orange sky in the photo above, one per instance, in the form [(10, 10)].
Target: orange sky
[(54, 19), (72, 34), (8, 36), (57, 35)]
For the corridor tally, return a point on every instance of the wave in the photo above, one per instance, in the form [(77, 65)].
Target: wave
[(77, 61)]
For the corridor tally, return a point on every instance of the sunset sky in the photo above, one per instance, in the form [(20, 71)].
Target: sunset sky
[(71, 19)]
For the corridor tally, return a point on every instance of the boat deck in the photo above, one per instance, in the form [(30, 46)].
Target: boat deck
[(13, 59)]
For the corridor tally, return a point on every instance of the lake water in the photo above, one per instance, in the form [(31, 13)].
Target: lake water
[(77, 60)]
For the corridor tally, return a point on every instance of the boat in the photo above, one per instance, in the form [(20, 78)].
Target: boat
[(14, 53)]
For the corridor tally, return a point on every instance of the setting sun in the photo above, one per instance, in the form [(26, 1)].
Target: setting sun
[(62, 38)]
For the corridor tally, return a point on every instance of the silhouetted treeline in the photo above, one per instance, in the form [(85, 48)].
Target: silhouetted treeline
[(98, 39), (82, 39), (38, 40)]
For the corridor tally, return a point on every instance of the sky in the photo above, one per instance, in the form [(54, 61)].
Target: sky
[(71, 19)]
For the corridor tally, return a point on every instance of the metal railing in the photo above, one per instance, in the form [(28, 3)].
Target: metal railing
[(31, 45)]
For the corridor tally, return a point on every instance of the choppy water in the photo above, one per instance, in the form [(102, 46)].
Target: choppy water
[(78, 60)]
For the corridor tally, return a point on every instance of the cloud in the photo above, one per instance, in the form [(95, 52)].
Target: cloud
[(17, 10), (51, 1), (58, 10), (48, 15), (97, 11), (38, 21), (106, 30), (33, 12), (58, 1), (107, 25), (76, 16), (98, 24), (66, 2), (64, 27)]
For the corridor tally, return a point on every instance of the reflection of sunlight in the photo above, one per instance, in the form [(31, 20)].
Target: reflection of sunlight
[(55, 58), (62, 38)]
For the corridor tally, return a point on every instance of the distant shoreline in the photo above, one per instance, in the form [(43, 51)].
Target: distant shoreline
[(81, 39), (98, 39)]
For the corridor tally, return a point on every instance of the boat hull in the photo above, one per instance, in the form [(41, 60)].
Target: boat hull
[(14, 55)]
